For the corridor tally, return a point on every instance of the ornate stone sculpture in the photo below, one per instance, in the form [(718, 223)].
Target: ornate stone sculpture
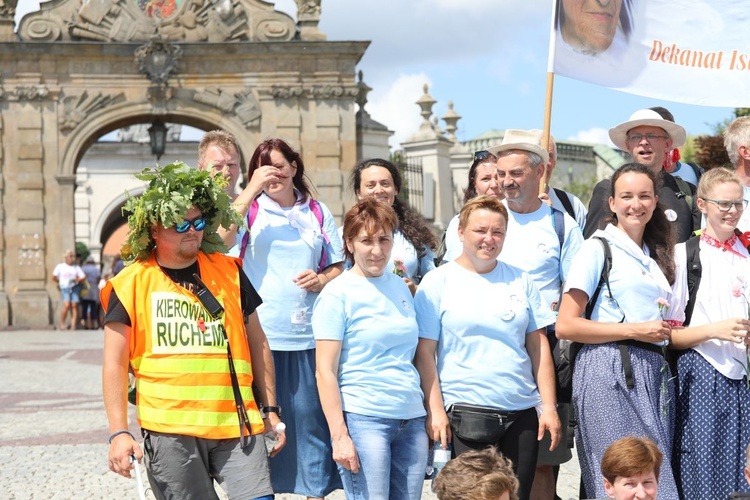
[(243, 104), (308, 17), (158, 59), (139, 20), (77, 108)]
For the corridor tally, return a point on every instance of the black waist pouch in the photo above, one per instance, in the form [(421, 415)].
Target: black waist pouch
[(480, 423)]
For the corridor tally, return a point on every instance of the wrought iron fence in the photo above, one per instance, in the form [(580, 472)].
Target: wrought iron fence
[(412, 189)]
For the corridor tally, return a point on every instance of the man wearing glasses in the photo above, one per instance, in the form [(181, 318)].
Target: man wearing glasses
[(183, 317), (648, 137)]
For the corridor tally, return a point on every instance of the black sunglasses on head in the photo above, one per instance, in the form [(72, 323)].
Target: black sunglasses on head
[(483, 155)]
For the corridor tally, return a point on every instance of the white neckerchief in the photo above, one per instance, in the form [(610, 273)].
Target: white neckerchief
[(641, 254), (302, 220)]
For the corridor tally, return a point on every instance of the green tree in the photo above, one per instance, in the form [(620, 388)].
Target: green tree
[(82, 251)]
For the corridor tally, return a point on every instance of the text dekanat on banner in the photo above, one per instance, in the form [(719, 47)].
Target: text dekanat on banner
[(692, 51)]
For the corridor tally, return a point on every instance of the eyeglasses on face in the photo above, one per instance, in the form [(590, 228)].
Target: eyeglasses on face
[(726, 205), (649, 137), (198, 224)]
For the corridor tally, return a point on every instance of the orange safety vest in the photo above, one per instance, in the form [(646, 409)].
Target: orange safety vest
[(182, 372)]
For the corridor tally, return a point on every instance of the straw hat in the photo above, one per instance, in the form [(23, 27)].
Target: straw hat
[(619, 134), (525, 140)]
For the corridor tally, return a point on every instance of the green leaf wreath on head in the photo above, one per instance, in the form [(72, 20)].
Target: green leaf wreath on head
[(172, 190)]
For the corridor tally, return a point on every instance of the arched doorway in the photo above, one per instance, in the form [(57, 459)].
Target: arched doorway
[(253, 73)]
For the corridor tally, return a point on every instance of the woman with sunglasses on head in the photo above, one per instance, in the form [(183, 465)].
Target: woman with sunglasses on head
[(713, 403), (621, 382), (290, 251), (483, 355), (413, 242), (483, 180), (366, 334)]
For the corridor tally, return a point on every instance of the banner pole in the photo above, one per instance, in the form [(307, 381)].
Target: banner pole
[(548, 98), (546, 129)]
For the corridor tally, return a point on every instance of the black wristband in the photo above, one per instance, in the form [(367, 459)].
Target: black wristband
[(272, 409)]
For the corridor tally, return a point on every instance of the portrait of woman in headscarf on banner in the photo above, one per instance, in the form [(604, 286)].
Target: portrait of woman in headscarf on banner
[(591, 26), (592, 40)]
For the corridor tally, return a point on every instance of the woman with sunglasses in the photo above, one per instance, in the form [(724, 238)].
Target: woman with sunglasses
[(413, 242), (713, 404), (291, 252), (483, 180), (621, 382)]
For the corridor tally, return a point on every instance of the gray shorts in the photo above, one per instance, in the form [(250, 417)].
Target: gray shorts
[(185, 467), (562, 453)]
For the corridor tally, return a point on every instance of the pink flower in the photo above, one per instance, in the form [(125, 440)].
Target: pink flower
[(662, 303), (737, 291), (399, 268)]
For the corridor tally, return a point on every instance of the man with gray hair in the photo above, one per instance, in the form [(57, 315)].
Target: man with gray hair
[(542, 242), (737, 142)]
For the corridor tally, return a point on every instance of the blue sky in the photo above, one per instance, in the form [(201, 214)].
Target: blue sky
[(488, 56)]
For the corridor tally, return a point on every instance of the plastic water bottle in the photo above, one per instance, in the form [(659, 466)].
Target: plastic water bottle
[(271, 437), (299, 313), (440, 457)]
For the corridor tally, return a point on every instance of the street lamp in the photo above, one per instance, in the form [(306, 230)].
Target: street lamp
[(157, 133)]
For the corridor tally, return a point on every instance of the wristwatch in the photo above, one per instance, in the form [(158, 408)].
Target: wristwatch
[(272, 409)]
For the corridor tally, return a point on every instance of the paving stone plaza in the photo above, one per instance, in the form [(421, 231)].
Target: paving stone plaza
[(53, 428)]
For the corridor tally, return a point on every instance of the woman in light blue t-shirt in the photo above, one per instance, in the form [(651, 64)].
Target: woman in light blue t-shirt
[(485, 322), (413, 242), (366, 335)]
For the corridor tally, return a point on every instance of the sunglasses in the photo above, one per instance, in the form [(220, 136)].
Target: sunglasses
[(198, 224), (482, 155)]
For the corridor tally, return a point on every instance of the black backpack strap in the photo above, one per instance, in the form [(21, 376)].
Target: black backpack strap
[(603, 279), (565, 200), (694, 271), (558, 219)]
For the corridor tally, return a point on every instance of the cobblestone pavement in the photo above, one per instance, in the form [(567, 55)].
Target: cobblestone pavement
[(53, 428)]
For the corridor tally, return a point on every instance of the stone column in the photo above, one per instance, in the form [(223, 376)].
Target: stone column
[(7, 22), (433, 150), (461, 157)]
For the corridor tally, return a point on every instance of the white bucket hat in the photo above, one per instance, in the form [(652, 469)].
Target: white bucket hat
[(525, 140), (619, 134)]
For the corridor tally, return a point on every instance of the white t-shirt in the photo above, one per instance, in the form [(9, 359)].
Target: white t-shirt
[(531, 244), (722, 273), (453, 245), (480, 322), (375, 322), (275, 254), (67, 275)]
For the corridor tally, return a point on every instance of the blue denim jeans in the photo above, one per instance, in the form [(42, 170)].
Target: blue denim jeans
[(392, 456)]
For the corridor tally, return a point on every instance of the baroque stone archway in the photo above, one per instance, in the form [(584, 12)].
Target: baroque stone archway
[(78, 69)]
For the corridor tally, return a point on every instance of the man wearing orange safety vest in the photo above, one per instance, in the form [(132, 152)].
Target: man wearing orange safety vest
[(182, 318)]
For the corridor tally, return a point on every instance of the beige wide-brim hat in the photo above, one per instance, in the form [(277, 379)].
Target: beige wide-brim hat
[(619, 134), (524, 140)]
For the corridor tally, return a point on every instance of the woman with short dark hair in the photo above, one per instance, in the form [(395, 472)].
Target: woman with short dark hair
[(366, 334)]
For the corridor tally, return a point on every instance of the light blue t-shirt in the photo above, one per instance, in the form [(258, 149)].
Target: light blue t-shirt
[(531, 244), (274, 256), (635, 279), (375, 322), (480, 322)]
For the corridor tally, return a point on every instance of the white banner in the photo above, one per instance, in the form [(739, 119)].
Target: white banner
[(691, 51)]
